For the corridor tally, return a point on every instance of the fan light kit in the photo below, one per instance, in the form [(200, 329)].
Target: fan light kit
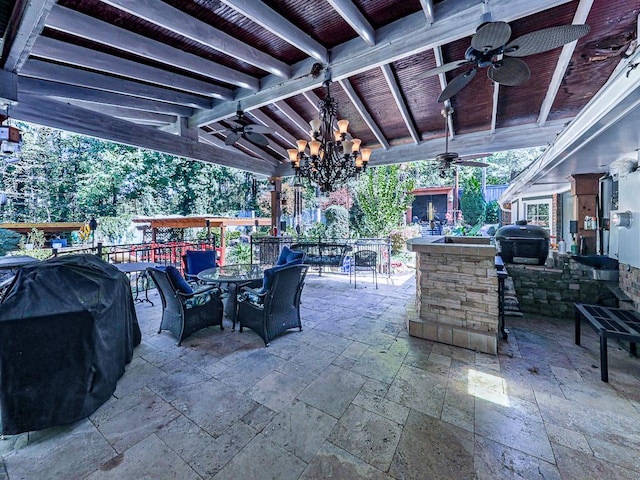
[(447, 159), (491, 48)]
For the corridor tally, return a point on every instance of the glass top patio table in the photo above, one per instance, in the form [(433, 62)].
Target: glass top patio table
[(233, 273)]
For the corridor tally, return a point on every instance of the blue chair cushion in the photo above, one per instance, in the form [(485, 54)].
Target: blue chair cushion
[(267, 276), (177, 279), (199, 260), (289, 257)]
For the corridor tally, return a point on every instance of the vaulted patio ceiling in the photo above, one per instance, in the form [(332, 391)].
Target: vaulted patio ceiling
[(168, 75)]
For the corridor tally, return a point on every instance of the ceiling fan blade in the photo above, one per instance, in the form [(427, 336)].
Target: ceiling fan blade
[(447, 67), (256, 138), (490, 36), (231, 138), (469, 163), (509, 71), (258, 129), (238, 122), (545, 39), (457, 84)]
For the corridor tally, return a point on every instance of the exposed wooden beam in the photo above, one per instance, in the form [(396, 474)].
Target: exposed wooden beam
[(313, 99), (244, 145), (136, 116), (8, 87), (427, 6), (582, 12), (402, 38), (268, 18), (291, 114), (97, 81), (56, 114), (70, 21), (57, 50), (31, 24), (277, 129), (54, 89), (183, 24), (350, 13), (508, 138), (402, 106), (364, 113)]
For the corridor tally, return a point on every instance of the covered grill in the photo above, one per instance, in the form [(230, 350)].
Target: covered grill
[(523, 244)]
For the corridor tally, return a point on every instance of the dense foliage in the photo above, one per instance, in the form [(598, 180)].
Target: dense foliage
[(472, 202), (382, 196), (65, 177)]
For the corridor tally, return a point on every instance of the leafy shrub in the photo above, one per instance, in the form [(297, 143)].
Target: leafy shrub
[(400, 236), (472, 203), (238, 253), (337, 222), (316, 231), (493, 212), (9, 240)]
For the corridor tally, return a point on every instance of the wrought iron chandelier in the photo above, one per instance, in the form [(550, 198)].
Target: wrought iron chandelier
[(331, 159)]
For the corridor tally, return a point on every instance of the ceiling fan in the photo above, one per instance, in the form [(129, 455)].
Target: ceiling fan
[(490, 47), (447, 158), (242, 128)]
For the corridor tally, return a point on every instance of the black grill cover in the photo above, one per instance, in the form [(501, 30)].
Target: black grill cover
[(523, 244), (67, 328)]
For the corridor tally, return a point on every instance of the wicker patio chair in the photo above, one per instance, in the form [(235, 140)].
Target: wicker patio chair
[(276, 307), (185, 310)]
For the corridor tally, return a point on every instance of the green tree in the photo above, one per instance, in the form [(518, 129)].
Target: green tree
[(472, 203), (337, 222), (493, 212), (383, 197)]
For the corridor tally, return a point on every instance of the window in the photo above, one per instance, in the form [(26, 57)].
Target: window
[(538, 212)]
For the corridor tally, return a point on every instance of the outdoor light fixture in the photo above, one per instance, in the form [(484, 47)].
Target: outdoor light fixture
[(330, 158), (10, 137), (621, 219)]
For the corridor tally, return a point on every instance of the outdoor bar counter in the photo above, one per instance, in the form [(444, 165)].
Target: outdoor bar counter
[(456, 292)]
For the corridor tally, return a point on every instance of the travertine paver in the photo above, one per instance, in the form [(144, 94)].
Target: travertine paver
[(352, 396)]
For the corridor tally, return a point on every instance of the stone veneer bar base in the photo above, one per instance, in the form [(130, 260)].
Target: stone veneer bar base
[(456, 293)]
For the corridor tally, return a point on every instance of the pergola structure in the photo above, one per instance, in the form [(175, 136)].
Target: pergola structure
[(206, 221), (169, 75), (47, 228)]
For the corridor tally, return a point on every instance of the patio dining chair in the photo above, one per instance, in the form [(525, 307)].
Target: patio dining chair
[(185, 310), (364, 260), (195, 261), (276, 307)]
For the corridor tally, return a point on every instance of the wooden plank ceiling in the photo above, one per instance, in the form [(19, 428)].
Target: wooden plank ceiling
[(168, 75)]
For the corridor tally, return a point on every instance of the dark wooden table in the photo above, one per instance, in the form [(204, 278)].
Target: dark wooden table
[(609, 323)]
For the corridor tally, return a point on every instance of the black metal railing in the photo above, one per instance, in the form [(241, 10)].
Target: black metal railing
[(265, 250)]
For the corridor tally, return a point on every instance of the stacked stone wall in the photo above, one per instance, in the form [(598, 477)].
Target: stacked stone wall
[(554, 291), (457, 297), (630, 283)]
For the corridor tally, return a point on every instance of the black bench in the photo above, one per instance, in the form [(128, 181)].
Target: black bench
[(609, 323), (322, 254)]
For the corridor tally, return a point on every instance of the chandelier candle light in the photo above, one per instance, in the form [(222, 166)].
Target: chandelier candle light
[(331, 158)]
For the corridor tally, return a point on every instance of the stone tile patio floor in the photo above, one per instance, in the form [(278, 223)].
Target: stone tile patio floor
[(352, 396)]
